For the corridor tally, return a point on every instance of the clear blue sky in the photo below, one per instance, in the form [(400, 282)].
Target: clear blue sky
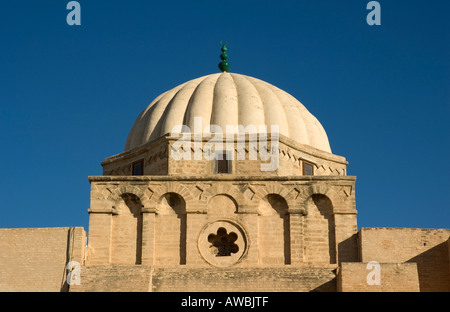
[(70, 94)]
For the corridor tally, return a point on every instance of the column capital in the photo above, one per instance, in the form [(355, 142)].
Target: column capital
[(148, 210), (297, 210), (101, 210)]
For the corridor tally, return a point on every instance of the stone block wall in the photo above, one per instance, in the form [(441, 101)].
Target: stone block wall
[(387, 277), (282, 221), (101, 278), (34, 259), (248, 161), (114, 278), (426, 247), (154, 154), (160, 158), (244, 279)]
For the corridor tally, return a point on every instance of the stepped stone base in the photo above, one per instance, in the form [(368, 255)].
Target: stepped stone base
[(141, 278)]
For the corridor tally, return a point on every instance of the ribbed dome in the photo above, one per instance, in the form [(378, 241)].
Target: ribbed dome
[(228, 99)]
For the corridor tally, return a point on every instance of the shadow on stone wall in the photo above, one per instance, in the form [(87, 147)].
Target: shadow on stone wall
[(348, 249), (433, 269), (329, 286)]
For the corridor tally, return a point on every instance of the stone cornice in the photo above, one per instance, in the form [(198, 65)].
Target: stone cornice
[(221, 177)]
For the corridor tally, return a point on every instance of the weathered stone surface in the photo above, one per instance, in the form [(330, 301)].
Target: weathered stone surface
[(286, 221), (393, 277), (34, 259), (182, 279)]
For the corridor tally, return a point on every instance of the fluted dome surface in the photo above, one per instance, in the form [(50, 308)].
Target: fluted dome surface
[(228, 99)]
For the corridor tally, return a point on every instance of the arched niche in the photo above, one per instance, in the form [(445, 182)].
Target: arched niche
[(222, 205), (273, 231), (126, 236), (320, 246), (170, 232)]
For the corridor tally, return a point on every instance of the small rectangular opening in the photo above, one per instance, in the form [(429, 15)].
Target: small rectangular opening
[(308, 169), (138, 168), (222, 163)]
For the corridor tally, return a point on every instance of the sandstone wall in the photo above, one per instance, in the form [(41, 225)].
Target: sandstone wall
[(426, 247), (284, 221), (160, 157), (158, 279), (393, 277), (116, 278), (34, 259)]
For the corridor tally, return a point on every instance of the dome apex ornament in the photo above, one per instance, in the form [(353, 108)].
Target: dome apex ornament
[(224, 66)]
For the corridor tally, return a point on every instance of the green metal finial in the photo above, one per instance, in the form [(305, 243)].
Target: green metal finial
[(224, 66)]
